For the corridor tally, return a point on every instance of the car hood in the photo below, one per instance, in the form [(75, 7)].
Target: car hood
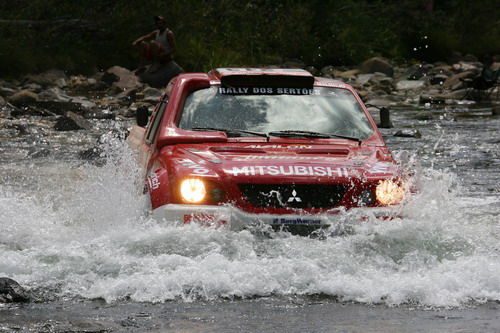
[(270, 163)]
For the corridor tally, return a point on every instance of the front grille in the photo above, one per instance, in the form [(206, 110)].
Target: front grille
[(293, 195)]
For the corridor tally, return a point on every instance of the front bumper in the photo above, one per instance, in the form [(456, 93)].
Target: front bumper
[(238, 219)]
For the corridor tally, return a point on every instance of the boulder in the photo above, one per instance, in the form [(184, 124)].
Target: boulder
[(126, 78), (442, 69), (313, 70), (347, 75), (327, 71), (161, 77), (34, 87), (47, 79), (410, 85), (438, 79), (377, 64), (11, 291), (413, 133), (23, 98), (417, 71), (83, 84), (97, 113), (464, 66), (151, 95), (363, 79), (71, 122), (54, 94), (455, 82), (7, 91)]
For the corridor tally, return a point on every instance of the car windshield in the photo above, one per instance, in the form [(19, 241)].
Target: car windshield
[(324, 110)]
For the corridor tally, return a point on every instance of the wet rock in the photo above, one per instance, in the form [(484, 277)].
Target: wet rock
[(313, 70), (7, 91), (377, 64), (128, 95), (438, 79), (417, 71), (54, 94), (151, 95), (71, 122), (81, 83), (126, 78), (100, 114), (39, 153), (327, 71), (46, 79), (442, 69), (413, 133), (455, 81), (363, 79), (463, 66), (347, 75), (378, 102), (33, 87), (161, 77), (410, 85), (56, 100), (109, 78), (431, 99), (23, 98), (11, 291), (91, 154)]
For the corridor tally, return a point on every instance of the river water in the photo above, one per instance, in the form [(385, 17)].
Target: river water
[(74, 234)]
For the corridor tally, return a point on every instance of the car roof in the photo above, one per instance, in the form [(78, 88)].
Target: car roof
[(219, 74)]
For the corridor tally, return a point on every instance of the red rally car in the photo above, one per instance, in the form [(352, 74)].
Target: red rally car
[(241, 146)]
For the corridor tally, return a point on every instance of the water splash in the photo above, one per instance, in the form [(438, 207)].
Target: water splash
[(80, 230)]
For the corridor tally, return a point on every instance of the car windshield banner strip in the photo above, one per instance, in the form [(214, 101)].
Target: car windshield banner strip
[(267, 91), (287, 81)]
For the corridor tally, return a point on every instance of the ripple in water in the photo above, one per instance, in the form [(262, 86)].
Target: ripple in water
[(80, 231)]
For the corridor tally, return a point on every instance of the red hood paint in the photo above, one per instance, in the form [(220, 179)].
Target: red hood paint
[(232, 163)]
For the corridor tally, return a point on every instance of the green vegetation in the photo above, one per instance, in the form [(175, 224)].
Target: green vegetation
[(86, 35)]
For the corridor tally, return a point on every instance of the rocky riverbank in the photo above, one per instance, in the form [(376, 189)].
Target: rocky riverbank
[(71, 102)]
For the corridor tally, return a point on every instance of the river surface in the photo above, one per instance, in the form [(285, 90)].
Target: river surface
[(74, 234)]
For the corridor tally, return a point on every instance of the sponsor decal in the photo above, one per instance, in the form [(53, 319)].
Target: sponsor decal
[(288, 170), (298, 220), (203, 219), (284, 157), (294, 197), (196, 168), (280, 146), (154, 181), (267, 91)]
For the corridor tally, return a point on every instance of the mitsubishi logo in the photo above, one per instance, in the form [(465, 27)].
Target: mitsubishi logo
[(294, 197)]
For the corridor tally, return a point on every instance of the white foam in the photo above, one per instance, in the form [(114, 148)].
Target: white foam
[(81, 231)]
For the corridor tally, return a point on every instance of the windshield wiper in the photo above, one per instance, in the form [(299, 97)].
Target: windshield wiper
[(310, 134), (227, 131)]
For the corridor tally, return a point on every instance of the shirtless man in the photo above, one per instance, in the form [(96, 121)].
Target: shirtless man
[(157, 46)]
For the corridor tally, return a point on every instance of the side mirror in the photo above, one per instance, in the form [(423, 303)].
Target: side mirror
[(142, 116)]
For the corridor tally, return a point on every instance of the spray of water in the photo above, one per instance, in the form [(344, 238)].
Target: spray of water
[(79, 230)]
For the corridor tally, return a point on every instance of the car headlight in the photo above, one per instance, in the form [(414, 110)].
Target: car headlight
[(193, 190), (389, 192)]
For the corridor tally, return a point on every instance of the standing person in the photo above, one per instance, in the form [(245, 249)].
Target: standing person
[(157, 46)]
